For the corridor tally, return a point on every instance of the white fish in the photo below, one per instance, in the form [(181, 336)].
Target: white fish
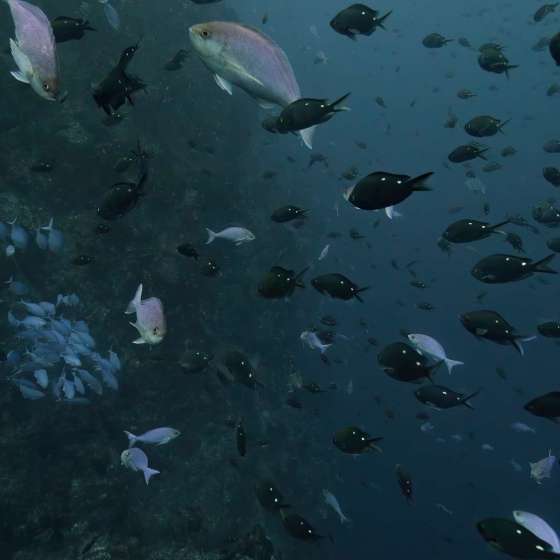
[(324, 252), (111, 14), (425, 344), (426, 427), (538, 527), (522, 427), (330, 500), (157, 436), (237, 235), (486, 447), (41, 377), (542, 469), (135, 459), (313, 341)]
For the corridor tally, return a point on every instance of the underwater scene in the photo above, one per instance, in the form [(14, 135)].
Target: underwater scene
[(279, 280)]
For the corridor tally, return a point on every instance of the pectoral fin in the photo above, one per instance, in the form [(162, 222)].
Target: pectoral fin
[(238, 69), (23, 63), (223, 84), (139, 341), (264, 104)]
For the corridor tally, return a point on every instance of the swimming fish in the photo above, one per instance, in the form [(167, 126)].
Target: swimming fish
[(34, 50), (330, 500), (157, 436), (237, 235), (136, 460), (542, 469), (150, 319), (425, 344), (247, 58)]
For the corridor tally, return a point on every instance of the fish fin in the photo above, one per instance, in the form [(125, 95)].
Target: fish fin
[(465, 400), (542, 265), (211, 236), (391, 213), (307, 136), (380, 21), (417, 183), (264, 104), (223, 84), (452, 363), (131, 439), (358, 292), (334, 106), (148, 473), (19, 77), (22, 62), (139, 341), (135, 301)]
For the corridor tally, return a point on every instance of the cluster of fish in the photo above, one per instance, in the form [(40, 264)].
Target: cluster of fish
[(135, 459), (16, 238), (59, 355)]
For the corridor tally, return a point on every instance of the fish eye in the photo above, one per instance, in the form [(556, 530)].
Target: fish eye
[(46, 86), (156, 330), (205, 34)]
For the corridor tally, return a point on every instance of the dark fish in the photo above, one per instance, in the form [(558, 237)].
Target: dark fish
[(358, 19), (435, 41), (546, 214), (42, 167), (355, 441), (298, 527), (552, 175), (195, 361), (543, 11), (122, 198), (403, 363), (484, 125), (381, 102), (405, 483), (269, 496), (465, 94), (499, 268), (492, 166), (511, 538), (546, 406), (293, 401), (492, 59), (381, 190), (176, 63), (425, 306), (306, 112), (467, 152), (117, 88), (288, 213), (553, 89), (552, 146), (337, 286), (550, 329), (441, 398), (490, 325), (188, 250), (318, 158), (67, 28), (102, 229), (313, 388), (82, 260), (240, 368), (541, 44), (280, 283), (469, 230), (464, 42), (241, 439), (515, 241), (209, 268), (508, 151)]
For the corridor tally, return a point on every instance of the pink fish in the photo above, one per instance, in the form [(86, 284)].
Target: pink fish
[(34, 50), (150, 320), (245, 57)]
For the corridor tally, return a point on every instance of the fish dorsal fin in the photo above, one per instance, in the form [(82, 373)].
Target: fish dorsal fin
[(223, 84)]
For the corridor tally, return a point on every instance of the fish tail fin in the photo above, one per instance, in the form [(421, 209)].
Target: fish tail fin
[(345, 520), (49, 226), (148, 473), (307, 136), (372, 444), (496, 226), (417, 183), (452, 363), (542, 265), (346, 194), (299, 276), (211, 236), (131, 439), (12, 320), (334, 105), (324, 347), (135, 301), (358, 292), (465, 400), (502, 125), (481, 154), (381, 20), (391, 213)]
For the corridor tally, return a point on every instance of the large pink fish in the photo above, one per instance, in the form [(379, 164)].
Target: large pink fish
[(150, 319), (34, 49), (245, 57)]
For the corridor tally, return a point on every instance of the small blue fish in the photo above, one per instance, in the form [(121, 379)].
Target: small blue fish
[(19, 236), (55, 237), (41, 240), (111, 14)]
